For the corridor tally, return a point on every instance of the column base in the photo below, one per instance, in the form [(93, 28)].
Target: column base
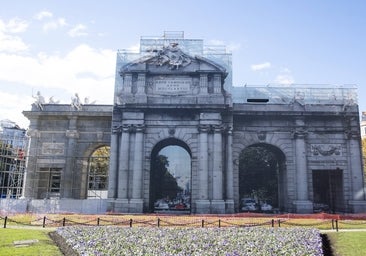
[(303, 206), (136, 206), (120, 205), (218, 206), (229, 205), (202, 206), (357, 206)]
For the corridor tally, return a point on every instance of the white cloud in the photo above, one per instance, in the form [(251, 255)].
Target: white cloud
[(285, 77), (13, 26), (78, 30), (43, 14), (55, 24), (228, 46), (84, 70), (134, 48), (63, 72), (8, 41), (261, 66), (233, 47)]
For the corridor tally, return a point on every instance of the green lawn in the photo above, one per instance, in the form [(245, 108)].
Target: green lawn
[(44, 246), (348, 243)]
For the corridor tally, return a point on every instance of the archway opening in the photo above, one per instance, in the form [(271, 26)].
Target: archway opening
[(170, 177), (328, 190), (98, 169), (262, 179)]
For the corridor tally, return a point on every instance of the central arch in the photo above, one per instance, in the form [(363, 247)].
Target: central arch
[(262, 178), (170, 177)]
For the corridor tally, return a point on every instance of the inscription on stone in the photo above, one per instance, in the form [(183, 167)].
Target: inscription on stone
[(172, 85), (53, 148)]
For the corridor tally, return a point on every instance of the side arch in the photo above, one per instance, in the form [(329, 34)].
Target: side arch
[(88, 169), (279, 142)]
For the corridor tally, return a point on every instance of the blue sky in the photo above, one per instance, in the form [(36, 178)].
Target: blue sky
[(63, 47)]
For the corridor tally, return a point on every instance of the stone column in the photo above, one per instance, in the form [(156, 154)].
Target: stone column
[(217, 202), (202, 203), (136, 203), (113, 166), (121, 204), (217, 164), (229, 173), (302, 203)]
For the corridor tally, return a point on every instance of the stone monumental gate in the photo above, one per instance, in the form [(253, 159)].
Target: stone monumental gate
[(183, 139)]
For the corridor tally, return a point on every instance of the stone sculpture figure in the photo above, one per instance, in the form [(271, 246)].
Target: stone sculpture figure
[(75, 102), (39, 100)]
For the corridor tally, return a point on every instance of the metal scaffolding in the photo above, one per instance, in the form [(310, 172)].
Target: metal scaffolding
[(13, 149)]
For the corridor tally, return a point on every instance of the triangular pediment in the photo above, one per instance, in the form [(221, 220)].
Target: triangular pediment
[(172, 59)]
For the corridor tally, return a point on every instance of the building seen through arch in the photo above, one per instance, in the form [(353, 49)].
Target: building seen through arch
[(182, 138)]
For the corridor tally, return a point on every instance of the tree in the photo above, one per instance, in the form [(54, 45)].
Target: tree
[(258, 174), (164, 185)]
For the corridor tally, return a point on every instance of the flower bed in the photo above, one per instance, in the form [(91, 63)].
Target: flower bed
[(111, 240)]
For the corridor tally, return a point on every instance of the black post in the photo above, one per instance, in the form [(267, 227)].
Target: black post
[(203, 223), (130, 223), (272, 223), (219, 223), (332, 224), (158, 222), (279, 223), (44, 222), (98, 220), (336, 225), (5, 220), (63, 222)]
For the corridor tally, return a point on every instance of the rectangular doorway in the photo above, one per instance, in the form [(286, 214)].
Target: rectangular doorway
[(328, 190)]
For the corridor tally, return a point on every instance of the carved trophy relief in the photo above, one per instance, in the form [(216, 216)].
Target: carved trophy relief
[(326, 149)]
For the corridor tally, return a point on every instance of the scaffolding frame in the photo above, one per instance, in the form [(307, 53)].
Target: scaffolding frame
[(13, 150)]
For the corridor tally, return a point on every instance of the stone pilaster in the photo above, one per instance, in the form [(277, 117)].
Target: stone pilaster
[(203, 84), (355, 163), (67, 177), (217, 83), (127, 84), (113, 164)]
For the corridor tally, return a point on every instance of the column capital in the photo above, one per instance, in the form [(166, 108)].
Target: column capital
[(218, 128), (299, 134), (203, 128), (116, 129), (126, 128), (352, 134), (139, 128)]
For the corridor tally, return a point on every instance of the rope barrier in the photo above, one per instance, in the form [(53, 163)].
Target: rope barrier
[(166, 222)]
